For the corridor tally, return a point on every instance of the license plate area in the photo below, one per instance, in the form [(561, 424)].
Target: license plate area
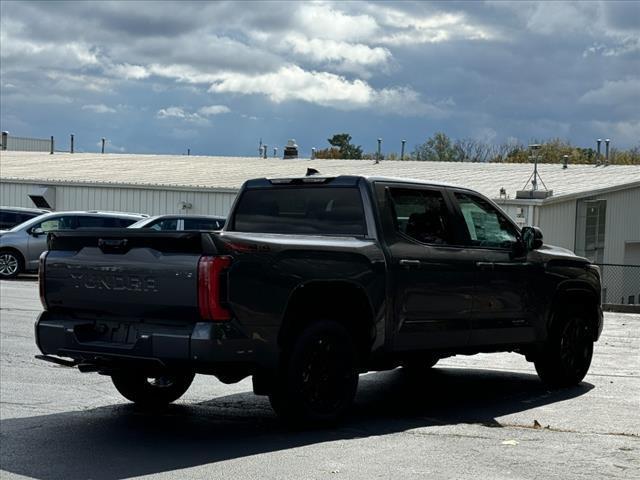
[(107, 332)]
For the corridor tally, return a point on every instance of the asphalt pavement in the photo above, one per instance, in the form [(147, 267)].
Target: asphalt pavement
[(482, 416)]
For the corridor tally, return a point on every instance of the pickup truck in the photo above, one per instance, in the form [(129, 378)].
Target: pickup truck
[(312, 281)]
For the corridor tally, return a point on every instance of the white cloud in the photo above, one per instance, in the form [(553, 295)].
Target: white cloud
[(99, 108), (129, 72), (198, 118), (620, 132), (615, 93), (72, 82), (402, 28), (324, 88), (213, 110), (322, 20), (344, 56)]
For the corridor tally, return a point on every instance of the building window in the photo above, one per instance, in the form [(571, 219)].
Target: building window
[(590, 229)]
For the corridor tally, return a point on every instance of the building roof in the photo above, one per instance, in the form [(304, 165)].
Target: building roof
[(228, 173)]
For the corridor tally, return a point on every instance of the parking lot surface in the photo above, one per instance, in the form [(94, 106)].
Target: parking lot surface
[(483, 416)]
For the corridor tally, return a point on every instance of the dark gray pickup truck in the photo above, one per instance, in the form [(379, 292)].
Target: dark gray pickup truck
[(312, 281)]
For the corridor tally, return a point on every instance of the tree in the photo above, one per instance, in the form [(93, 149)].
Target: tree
[(342, 141), (438, 148)]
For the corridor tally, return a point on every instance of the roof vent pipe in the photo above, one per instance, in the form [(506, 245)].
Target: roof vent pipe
[(565, 162), (598, 142), (606, 150)]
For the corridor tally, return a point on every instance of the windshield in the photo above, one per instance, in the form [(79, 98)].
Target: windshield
[(30, 222)]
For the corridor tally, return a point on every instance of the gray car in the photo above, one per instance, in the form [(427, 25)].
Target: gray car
[(21, 247)]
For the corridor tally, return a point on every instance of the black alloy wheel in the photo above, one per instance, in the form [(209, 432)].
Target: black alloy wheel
[(318, 380), (567, 356)]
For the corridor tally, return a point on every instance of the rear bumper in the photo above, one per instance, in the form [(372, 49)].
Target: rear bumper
[(203, 346)]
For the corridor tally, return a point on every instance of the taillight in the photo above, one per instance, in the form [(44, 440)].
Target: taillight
[(41, 288), (211, 280)]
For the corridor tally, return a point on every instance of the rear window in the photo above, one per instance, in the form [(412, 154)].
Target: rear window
[(301, 210)]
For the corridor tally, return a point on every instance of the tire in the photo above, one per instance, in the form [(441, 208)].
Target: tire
[(152, 391), (11, 264), (317, 380), (566, 356)]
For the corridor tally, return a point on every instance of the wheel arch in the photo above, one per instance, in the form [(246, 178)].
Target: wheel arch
[(341, 301), (576, 298)]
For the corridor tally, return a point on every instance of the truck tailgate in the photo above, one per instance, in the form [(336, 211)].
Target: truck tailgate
[(125, 273)]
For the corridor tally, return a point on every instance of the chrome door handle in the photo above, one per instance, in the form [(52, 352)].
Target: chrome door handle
[(409, 263)]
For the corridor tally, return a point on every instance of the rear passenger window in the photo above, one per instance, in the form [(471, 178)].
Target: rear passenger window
[(202, 224), (422, 215), (487, 227)]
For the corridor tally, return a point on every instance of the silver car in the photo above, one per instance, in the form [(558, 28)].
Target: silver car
[(21, 247), (181, 222)]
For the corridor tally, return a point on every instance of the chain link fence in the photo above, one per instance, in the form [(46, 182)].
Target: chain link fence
[(620, 284)]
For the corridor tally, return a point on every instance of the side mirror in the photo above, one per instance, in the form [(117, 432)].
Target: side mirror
[(36, 232), (532, 237)]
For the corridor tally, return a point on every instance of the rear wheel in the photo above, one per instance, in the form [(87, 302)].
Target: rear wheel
[(318, 379), (152, 391), (566, 357), (11, 264)]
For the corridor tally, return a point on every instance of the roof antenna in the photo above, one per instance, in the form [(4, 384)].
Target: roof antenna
[(311, 171)]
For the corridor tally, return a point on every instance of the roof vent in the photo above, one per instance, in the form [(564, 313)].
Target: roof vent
[(291, 150), (311, 171), (44, 197)]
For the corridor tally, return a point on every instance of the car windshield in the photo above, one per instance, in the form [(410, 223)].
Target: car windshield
[(27, 224)]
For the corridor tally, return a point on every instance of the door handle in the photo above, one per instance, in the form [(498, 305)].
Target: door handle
[(409, 263), (485, 265)]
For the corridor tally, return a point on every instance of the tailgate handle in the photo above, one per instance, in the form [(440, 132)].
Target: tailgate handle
[(113, 246)]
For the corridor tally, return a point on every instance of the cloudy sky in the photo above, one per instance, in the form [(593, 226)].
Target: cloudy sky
[(217, 77)]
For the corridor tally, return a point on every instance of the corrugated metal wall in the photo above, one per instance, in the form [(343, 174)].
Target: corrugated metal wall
[(140, 200), (558, 223), (622, 223)]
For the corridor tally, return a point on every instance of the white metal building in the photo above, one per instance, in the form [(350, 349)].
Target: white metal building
[(594, 211)]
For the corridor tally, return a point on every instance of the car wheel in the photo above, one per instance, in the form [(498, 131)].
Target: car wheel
[(317, 381), (10, 264), (152, 391), (566, 357)]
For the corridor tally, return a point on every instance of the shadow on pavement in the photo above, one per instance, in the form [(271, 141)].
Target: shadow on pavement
[(119, 441)]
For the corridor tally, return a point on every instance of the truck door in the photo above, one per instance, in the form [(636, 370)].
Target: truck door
[(502, 297), (431, 284)]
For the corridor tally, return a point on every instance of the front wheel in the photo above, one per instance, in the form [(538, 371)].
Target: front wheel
[(152, 391), (317, 381), (10, 264), (566, 357)]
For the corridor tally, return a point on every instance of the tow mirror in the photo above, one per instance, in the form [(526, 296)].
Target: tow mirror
[(532, 237)]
